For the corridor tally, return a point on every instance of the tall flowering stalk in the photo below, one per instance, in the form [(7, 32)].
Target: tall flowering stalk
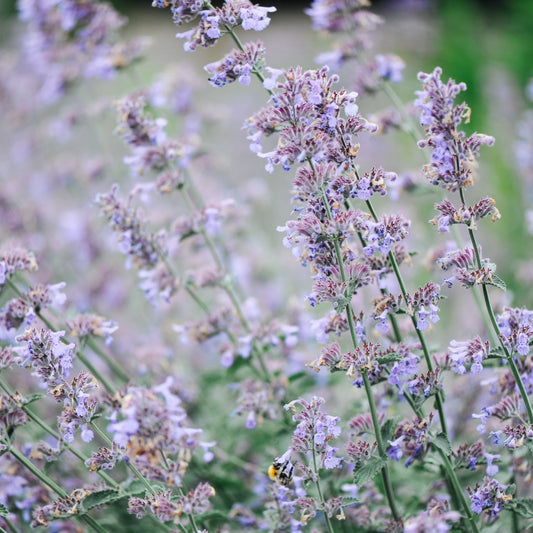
[(108, 443), (452, 168)]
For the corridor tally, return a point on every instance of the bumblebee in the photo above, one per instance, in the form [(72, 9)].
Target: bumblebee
[(281, 470)]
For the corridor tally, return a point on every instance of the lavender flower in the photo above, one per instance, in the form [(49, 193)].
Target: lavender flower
[(237, 65), (91, 324), (470, 352), (147, 422), (168, 508), (490, 497), (411, 439), (214, 21), (438, 517), (453, 155), (73, 39), (314, 431), (516, 328)]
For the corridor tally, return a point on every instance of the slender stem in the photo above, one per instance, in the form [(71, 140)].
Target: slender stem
[(53, 485), (370, 397), (228, 284), (438, 396), (413, 130), (130, 465), (9, 525), (496, 328), (108, 360), (320, 495)]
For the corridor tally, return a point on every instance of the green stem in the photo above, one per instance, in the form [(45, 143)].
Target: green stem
[(368, 390), (496, 328), (130, 465), (413, 130), (53, 485), (108, 360), (9, 525), (438, 396), (453, 478), (320, 495)]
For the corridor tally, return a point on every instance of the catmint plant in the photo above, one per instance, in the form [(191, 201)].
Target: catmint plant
[(155, 374)]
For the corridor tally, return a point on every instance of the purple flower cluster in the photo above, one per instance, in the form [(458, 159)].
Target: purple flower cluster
[(45, 352), (468, 215), (237, 65), (214, 22), (143, 248), (453, 154), (516, 328), (308, 114), (471, 352), (490, 497), (70, 39), (90, 324), (313, 434), (151, 428), (167, 508), (411, 440)]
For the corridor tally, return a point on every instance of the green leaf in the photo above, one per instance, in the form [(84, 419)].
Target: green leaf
[(522, 506), (442, 443), (387, 429), (297, 376), (498, 282), (33, 398), (3, 510), (368, 470), (100, 497), (348, 500), (389, 358)]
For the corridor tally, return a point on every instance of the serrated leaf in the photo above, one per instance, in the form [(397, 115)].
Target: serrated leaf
[(523, 506), (368, 470), (442, 442), (100, 497), (3, 510), (491, 266), (389, 358), (33, 398), (498, 282), (387, 429), (349, 500)]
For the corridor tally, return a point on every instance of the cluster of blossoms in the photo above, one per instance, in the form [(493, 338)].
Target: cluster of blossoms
[(167, 508), (468, 215), (213, 22), (92, 325), (471, 352), (313, 435), (516, 329), (354, 23), (237, 65), (453, 155), (15, 258), (23, 310), (72, 39), (258, 400), (150, 428), (466, 268), (411, 440), (490, 497), (44, 351), (143, 248)]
